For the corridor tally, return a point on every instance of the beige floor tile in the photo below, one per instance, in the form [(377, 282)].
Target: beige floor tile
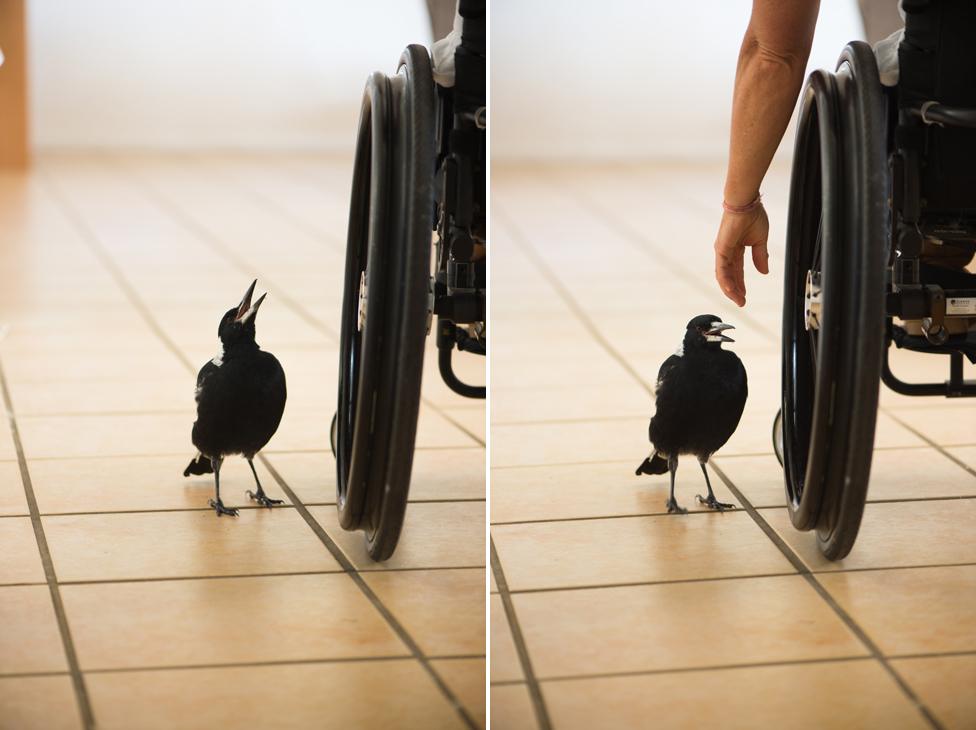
[(21, 559), (466, 678), (148, 361), (108, 484), (437, 474), (858, 694), (73, 436), (680, 625), (911, 611), (511, 708), (308, 429), (224, 621), (291, 697), (38, 703), (12, 499), (965, 454), (468, 418), (107, 395), (903, 473), (183, 544), (569, 442), (30, 640), (444, 610), (605, 489), (635, 549), (946, 425), (894, 534), (890, 434), (518, 405), (505, 666), (7, 450), (945, 685), (435, 535)]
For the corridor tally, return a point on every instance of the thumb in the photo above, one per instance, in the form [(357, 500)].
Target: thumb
[(760, 258)]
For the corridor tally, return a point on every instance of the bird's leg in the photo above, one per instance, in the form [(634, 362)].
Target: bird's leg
[(711, 502), (259, 496), (672, 505), (217, 504)]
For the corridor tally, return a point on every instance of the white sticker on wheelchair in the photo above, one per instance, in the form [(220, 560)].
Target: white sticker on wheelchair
[(961, 305)]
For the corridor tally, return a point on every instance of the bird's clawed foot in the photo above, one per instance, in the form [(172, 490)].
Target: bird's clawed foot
[(219, 508), (673, 506), (713, 503), (263, 499)]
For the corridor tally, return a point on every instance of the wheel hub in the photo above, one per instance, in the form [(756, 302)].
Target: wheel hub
[(811, 301), (363, 294)]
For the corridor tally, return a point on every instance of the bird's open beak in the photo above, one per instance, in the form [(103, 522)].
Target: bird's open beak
[(246, 310), (715, 333)]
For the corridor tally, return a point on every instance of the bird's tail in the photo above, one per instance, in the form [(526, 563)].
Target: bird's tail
[(653, 464), (200, 465)]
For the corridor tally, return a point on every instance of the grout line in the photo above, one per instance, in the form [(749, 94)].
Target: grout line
[(713, 579), (929, 442), (457, 424), (516, 591), (323, 536), (272, 452), (694, 511), (278, 663), (532, 684), (165, 510), (368, 592), (235, 665), (708, 668), (77, 680), (723, 667), (826, 596), (723, 457), (526, 246)]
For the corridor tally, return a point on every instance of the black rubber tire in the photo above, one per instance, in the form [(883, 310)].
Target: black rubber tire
[(389, 242), (838, 199)]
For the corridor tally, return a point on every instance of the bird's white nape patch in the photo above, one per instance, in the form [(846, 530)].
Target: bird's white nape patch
[(219, 360), (681, 349)]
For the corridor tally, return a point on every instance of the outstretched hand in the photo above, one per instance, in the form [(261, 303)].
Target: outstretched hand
[(736, 232)]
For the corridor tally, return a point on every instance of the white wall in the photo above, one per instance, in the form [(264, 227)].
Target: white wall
[(192, 74), (626, 78)]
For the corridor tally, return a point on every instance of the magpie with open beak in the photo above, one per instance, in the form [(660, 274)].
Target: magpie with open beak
[(701, 391), (240, 398)]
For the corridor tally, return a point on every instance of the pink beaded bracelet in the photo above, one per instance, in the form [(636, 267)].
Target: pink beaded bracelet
[(742, 208)]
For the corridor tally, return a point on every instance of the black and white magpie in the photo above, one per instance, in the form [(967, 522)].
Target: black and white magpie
[(240, 398), (701, 391)]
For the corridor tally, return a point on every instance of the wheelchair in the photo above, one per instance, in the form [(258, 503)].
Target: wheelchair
[(881, 226), (419, 170)]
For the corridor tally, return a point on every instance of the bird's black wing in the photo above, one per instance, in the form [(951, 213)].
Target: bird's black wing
[(205, 372), (666, 367)]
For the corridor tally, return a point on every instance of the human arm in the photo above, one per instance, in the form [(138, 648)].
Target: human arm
[(768, 78)]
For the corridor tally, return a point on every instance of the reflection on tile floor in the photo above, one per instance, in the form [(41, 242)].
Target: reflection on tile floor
[(115, 273), (606, 612)]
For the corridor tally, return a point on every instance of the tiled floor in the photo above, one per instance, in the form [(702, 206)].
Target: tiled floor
[(606, 611), (140, 608)]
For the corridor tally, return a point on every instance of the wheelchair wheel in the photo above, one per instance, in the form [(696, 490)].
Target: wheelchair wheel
[(385, 301), (833, 316)]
